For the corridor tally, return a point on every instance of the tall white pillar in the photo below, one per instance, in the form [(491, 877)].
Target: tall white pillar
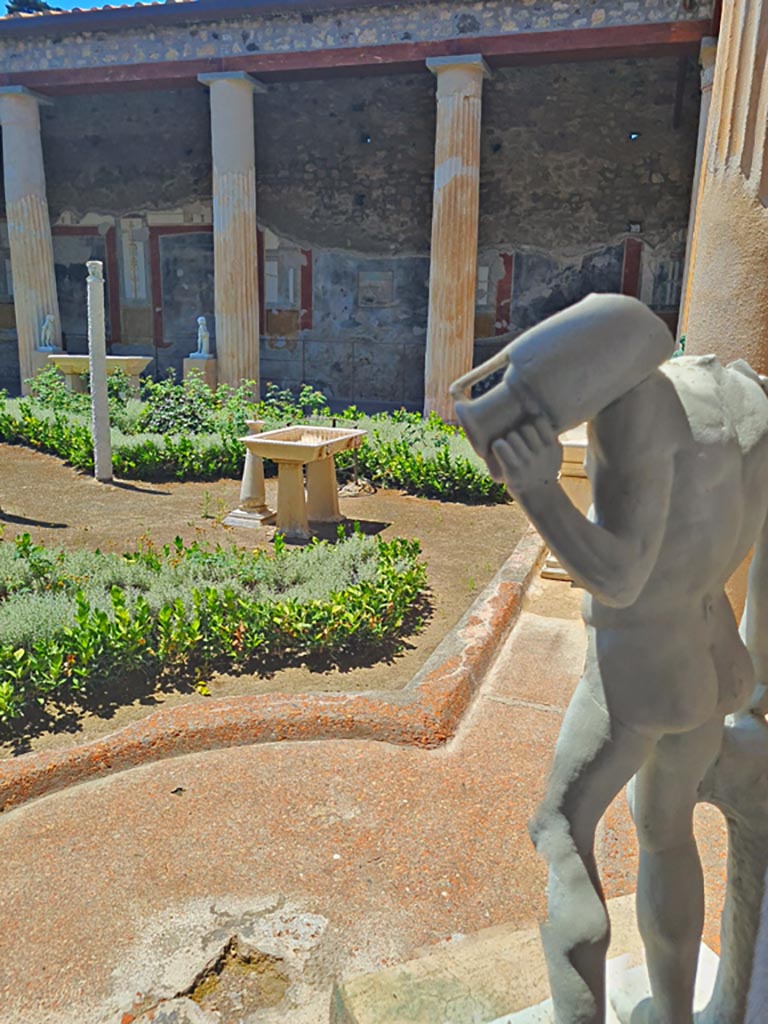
[(725, 306), (235, 249), (707, 55), (97, 364), (455, 214), (29, 226)]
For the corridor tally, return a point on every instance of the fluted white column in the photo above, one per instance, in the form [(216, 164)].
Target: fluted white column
[(707, 55), (235, 250), (29, 226), (725, 307), (455, 214)]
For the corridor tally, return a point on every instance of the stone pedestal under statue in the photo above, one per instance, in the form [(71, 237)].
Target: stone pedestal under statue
[(627, 984), (495, 976), (38, 361), (204, 367)]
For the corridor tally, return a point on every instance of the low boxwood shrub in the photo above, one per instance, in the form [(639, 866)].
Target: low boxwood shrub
[(424, 457), (190, 432), (70, 620)]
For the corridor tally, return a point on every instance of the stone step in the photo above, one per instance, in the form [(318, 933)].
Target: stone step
[(627, 985), (473, 980)]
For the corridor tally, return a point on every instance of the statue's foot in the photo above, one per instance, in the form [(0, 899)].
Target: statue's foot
[(644, 1013), (629, 992)]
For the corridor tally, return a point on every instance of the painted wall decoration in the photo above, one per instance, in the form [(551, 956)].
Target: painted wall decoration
[(186, 270), (375, 288), (70, 253)]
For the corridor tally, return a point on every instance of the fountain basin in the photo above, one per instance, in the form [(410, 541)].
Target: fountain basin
[(291, 448), (72, 366), (303, 443)]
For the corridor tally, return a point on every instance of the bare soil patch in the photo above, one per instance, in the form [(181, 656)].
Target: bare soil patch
[(463, 545)]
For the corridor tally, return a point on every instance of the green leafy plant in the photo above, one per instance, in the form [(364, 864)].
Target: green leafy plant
[(71, 620)]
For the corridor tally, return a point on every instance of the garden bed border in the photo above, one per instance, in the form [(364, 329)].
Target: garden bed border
[(425, 713)]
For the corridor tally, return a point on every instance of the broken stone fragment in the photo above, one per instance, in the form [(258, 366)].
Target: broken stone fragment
[(177, 1011)]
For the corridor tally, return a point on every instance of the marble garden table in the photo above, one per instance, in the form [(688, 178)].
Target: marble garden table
[(292, 448)]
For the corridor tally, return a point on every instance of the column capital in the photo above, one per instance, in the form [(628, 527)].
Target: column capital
[(473, 61), (707, 56), (232, 76), (22, 92)]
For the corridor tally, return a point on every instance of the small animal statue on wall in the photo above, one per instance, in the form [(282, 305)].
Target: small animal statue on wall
[(668, 702)]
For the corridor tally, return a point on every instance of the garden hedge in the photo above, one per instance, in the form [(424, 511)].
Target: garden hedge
[(171, 613), (189, 432)]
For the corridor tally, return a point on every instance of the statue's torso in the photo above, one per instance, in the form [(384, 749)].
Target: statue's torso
[(713, 422), (716, 422)]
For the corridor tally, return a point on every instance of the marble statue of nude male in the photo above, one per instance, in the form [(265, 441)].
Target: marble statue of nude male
[(678, 464)]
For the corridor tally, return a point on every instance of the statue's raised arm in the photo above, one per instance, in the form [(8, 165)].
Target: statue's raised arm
[(595, 361)]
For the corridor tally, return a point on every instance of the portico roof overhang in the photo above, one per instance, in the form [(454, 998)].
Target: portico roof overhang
[(667, 39)]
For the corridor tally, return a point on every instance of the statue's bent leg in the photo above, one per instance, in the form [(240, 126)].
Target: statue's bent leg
[(670, 891), (594, 758)]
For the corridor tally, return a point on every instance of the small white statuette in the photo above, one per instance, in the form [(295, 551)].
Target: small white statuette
[(47, 335), (203, 350)]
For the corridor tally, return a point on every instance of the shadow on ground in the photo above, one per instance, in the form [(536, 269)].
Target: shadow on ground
[(7, 517), (125, 486), (333, 532)]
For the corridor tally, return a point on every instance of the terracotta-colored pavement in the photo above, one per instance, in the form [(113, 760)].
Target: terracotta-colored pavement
[(396, 847)]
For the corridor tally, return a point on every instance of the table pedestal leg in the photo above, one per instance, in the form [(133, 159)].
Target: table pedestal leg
[(322, 493), (76, 383), (291, 504), (252, 493), (253, 509)]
